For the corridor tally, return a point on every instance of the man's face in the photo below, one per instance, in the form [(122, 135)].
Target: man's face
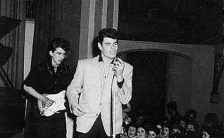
[(205, 135), (182, 124), (170, 110), (140, 120), (57, 56), (190, 127), (141, 133), (166, 131), (152, 134), (131, 131), (108, 47)]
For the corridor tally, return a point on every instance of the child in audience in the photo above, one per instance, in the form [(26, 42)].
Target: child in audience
[(141, 132), (132, 131)]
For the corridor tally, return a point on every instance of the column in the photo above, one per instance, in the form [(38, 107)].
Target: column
[(95, 14)]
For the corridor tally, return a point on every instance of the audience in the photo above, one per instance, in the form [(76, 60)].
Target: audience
[(174, 126)]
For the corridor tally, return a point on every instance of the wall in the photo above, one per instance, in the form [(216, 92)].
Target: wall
[(192, 67), (218, 108), (202, 81), (29, 32), (179, 76)]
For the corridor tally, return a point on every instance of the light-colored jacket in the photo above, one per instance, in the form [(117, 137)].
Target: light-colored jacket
[(94, 94)]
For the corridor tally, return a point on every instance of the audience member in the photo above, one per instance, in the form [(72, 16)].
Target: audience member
[(182, 122), (192, 130), (173, 112), (141, 132), (165, 130), (132, 130), (153, 132)]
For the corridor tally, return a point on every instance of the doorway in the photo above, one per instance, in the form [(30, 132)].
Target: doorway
[(149, 83)]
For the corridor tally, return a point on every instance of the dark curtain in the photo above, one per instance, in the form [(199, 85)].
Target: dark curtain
[(44, 32), (45, 26), (56, 18), (15, 39)]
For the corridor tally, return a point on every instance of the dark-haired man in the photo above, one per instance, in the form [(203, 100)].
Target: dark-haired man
[(89, 93), (47, 83)]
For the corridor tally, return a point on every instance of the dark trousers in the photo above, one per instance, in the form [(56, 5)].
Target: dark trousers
[(97, 131), (49, 127)]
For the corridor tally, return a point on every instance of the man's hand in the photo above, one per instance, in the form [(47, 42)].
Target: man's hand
[(76, 109), (119, 68), (46, 102)]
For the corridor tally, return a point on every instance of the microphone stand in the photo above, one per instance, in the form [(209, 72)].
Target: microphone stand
[(113, 102), (114, 116)]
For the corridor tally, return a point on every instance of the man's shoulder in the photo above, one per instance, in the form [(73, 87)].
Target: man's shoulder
[(40, 67), (128, 65), (89, 60)]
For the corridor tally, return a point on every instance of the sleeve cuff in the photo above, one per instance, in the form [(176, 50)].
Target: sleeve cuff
[(120, 84)]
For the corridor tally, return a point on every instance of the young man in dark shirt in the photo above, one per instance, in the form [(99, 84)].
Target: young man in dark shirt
[(47, 83)]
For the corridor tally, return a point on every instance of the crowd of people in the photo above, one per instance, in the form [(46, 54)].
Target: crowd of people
[(174, 125)]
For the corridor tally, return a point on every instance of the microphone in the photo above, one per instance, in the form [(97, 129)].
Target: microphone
[(114, 65)]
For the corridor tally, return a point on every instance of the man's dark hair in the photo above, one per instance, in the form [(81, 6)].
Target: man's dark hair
[(107, 32), (59, 42), (131, 124)]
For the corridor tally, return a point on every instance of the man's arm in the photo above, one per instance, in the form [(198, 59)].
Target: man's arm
[(125, 91), (46, 101), (74, 89), (128, 108)]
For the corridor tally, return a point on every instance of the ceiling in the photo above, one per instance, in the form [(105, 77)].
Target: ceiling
[(172, 21)]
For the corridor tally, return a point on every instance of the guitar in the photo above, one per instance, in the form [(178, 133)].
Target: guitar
[(58, 104)]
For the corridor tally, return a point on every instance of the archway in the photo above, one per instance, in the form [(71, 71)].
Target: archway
[(155, 76), (188, 69)]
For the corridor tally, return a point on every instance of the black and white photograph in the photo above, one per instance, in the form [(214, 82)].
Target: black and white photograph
[(111, 68)]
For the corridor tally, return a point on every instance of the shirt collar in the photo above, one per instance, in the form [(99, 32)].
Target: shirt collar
[(101, 59), (59, 68)]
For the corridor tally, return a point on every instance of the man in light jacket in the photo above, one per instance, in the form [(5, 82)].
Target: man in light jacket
[(94, 83)]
